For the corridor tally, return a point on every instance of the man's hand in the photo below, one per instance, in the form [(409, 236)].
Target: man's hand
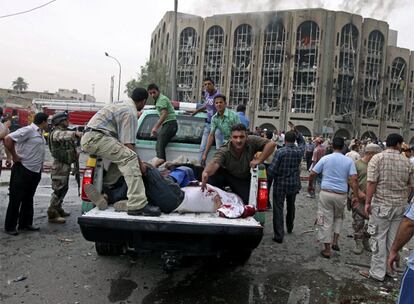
[(16, 158), (254, 163), (393, 259), (355, 202), (78, 134), (204, 179), (367, 209), (7, 124), (361, 195), (203, 159), (154, 132), (143, 167)]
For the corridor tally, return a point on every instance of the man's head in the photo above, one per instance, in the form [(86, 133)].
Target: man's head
[(338, 143), (238, 137), (153, 91), (139, 96), (394, 141), (40, 120), (370, 151), (220, 103), (209, 85), (241, 108), (60, 119), (290, 137), (318, 141)]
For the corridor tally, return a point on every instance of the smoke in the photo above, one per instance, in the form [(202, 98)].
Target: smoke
[(379, 9)]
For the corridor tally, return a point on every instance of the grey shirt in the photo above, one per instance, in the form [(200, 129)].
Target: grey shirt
[(30, 146)]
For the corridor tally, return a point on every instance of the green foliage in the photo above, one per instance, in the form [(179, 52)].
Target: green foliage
[(20, 84), (151, 72)]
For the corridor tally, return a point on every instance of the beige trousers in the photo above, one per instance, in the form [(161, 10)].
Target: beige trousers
[(382, 226), (330, 215), (127, 161)]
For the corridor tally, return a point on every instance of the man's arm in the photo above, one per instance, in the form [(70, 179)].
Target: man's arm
[(163, 116), (268, 149), (200, 109), (371, 187), (310, 182), (10, 146), (5, 130), (404, 234), (209, 170)]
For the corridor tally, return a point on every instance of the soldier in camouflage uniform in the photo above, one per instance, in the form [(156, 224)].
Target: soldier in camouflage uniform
[(62, 145)]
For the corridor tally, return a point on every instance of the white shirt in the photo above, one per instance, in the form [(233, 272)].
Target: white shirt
[(354, 155), (30, 147)]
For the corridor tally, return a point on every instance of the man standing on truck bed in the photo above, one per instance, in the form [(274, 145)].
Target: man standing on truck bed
[(62, 145), (111, 134), (232, 161), (167, 123)]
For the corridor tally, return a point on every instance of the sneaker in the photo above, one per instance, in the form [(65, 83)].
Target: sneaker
[(310, 195), (121, 206), (11, 232), (63, 213), (54, 216), (359, 247), (95, 197), (148, 210)]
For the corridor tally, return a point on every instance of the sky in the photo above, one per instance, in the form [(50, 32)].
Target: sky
[(62, 45)]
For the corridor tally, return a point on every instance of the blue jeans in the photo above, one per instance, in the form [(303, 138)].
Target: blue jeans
[(406, 291), (218, 138)]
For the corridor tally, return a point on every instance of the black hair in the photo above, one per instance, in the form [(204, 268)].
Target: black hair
[(394, 139), (239, 127), (139, 94), (290, 137), (1, 111), (153, 86), (220, 96), (241, 108), (209, 79), (269, 134), (338, 143), (40, 117)]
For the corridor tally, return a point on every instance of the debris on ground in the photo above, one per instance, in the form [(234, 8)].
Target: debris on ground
[(65, 240), (18, 279)]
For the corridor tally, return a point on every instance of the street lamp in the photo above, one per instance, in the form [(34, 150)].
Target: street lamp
[(119, 78)]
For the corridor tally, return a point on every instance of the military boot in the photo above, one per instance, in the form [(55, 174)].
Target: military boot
[(54, 216), (359, 247), (62, 212), (366, 244)]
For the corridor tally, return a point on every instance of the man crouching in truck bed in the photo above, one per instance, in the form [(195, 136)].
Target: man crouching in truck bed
[(232, 161), (110, 134)]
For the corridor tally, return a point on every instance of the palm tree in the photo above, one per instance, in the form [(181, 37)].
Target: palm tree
[(20, 85)]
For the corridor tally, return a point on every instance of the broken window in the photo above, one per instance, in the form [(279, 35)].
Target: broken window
[(397, 84), (272, 67), (186, 64), (306, 67), (240, 68), (372, 75), (346, 85), (214, 55)]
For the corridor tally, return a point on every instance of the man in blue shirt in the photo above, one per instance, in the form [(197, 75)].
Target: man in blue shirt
[(285, 171), (210, 93), (404, 234), (336, 170), (241, 111)]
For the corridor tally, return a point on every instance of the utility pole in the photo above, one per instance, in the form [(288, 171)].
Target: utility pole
[(174, 54), (119, 77), (111, 92), (93, 90)]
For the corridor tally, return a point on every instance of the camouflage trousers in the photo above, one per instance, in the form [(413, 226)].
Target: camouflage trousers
[(60, 183), (359, 222)]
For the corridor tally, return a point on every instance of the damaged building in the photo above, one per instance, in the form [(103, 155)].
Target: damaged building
[(331, 73)]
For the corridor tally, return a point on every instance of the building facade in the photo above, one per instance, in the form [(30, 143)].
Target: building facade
[(331, 73)]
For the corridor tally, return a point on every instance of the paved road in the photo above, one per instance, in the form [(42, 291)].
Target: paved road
[(61, 267)]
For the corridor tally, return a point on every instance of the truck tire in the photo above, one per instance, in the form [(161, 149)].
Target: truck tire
[(108, 249)]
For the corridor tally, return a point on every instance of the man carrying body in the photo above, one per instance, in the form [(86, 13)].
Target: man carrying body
[(285, 170), (111, 134), (361, 235), (231, 163), (223, 120), (390, 182), (27, 147), (62, 146), (166, 127), (210, 93), (336, 170)]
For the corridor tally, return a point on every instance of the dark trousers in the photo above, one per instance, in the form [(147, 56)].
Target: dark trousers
[(308, 158), (165, 134), (278, 206), (23, 184), (240, 186)]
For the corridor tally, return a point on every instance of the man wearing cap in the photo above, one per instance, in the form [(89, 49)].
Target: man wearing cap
[(62, 145), (361, 235)]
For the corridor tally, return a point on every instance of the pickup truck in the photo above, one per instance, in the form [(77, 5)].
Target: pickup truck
[(172, 235)]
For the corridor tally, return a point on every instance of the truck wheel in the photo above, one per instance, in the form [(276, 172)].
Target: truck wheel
[(108, 249)]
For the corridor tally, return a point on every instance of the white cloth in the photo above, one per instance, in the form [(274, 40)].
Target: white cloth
[(354, 155)]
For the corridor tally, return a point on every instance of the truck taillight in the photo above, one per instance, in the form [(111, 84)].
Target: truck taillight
[(87, 179), (262, 195)]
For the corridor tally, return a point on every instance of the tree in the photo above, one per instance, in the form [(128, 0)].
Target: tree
[(20, 85), (152, 72)]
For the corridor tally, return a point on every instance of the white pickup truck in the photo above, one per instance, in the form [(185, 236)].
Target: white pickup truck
[(173, 235)]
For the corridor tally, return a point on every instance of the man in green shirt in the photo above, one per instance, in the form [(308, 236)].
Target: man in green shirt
[(361, 235), (224, 120), (166, 127)]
